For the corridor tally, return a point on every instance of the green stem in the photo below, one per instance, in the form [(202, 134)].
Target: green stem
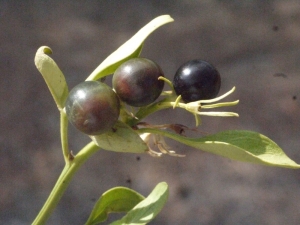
[(63, 182), (64, 135), (147, 110)]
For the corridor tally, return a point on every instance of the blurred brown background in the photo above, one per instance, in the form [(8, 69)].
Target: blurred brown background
[(254, 44)]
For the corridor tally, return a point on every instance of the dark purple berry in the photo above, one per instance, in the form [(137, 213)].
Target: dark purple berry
[(197, 80), (92, 107), (136, 82)]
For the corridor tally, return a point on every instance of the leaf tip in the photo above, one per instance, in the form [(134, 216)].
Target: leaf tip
[(167, 17), (44, 50), (164, 184)]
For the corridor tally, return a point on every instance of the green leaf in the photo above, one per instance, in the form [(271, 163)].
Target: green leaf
[(240, 145), (147, 209), (121, 139), (53, 76), (115, 200), (130, 49)]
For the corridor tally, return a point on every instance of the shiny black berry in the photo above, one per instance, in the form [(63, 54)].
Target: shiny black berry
[(92, 107), (197, 80), (136, 82)]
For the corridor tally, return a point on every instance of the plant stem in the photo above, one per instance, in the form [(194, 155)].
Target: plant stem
[(63, 182), (64, 135), (147, 110)]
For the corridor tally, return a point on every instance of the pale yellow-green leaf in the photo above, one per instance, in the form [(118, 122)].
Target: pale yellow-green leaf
[(53, 76), (115, 200), (121, 139), (240, 145), (130, 49), (147, 209)]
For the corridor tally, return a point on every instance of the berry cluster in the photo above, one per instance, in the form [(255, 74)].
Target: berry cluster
[(93, 107)]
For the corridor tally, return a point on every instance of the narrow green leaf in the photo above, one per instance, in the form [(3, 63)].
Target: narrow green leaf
[(129, 49), (121, 139), (115, 200), (240, 145), (53, 76), (147, 209)]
